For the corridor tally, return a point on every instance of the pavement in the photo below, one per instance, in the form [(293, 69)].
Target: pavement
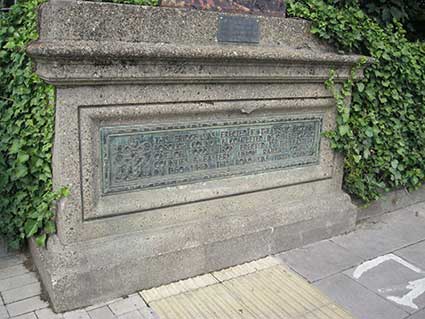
[(375, 272)]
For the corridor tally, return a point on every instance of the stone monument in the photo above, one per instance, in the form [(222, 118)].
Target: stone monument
[(190, 140)]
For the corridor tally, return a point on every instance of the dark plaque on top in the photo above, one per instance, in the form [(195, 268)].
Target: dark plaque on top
[(258, 7), (238, 29)]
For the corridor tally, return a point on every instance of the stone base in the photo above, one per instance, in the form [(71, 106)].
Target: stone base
[(89, 272)]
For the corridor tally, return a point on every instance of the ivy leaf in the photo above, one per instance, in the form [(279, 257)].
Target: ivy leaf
[(22, 157), (50, 227), (343, 130), (31, 227), (41, 240), (16, 145), (394, 164), (366, 153), (369, 132), (357, 158), (65, 192), (21, 171)]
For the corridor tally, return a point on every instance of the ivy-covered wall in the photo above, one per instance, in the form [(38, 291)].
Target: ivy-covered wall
[(26, 131), (382, 137), (411, 13)]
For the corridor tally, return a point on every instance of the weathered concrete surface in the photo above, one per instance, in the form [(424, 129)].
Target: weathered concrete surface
[(106, 22), (122, 66)]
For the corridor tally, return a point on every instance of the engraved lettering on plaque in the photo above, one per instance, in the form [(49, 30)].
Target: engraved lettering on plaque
[(145, 156), (239, 29)]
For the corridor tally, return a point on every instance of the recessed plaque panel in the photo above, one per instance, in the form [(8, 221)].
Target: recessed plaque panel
[(145, 156), (238, 29)]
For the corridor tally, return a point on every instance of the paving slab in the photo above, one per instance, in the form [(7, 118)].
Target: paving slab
[(47, 313), (408, 224), (9, 261), (326, 312), (3, 312), (319, 260), (414, 254), (18, 281), (361, 302), (76, 314), (132, 315), (21, 293), (148, 313), (420, 208), (393, 278), (101, 313), (375, 239), (25, 306), (130, 304), (418, 315), (101, 304), (30, 315), (13, 271)]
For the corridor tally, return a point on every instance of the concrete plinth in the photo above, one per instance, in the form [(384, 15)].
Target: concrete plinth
[(187, 147)]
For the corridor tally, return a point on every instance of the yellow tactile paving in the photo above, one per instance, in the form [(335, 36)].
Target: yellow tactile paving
[(178, 287), (245, 269), (264, 289), (330, 311)]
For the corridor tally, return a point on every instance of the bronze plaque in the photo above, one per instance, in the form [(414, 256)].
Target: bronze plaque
[(145, 156), (238, 29), (259, 7)]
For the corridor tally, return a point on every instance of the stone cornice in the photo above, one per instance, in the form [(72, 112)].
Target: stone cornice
[(100, 62)]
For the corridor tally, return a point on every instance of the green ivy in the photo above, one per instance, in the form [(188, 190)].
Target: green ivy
[(26, 132), (407, 12), (383, 135)]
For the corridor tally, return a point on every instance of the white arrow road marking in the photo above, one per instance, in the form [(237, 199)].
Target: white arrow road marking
[(368, 265), (417, 287)]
